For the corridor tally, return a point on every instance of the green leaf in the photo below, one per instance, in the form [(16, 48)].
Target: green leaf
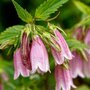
[(84, 21), (48, 7), (75, 44), (10, 35), (4, 63), (23, 14), (82, 7)]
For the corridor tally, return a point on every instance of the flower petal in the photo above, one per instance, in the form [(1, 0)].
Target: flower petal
[(59, 58), (64, 47), (39, 56), (63, 78), (25, 51), (76, 66), (18, 65)]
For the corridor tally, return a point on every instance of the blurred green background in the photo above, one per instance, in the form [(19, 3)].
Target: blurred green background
[(69, 16)]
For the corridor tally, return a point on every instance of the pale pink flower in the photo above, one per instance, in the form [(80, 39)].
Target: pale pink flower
[(64, 53), (25, 51), (76, 65), (39, 56), (63, 78), (18, 65)]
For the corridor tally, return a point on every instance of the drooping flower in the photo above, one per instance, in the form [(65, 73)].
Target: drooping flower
[(25, 51), (39, 56), (18, 65), (63, 78), (76, 65), (64, 53)]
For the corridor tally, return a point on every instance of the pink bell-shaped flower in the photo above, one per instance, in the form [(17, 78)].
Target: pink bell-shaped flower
[(25, 51), (76, 65), (39, 56), (63, 78), (64, 53), (18, 65)]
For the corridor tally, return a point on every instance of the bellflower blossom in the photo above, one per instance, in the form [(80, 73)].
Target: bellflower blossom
[(18, 65), (76, 65), (63, 78), (39, 56), (64, 53), (25, 51)]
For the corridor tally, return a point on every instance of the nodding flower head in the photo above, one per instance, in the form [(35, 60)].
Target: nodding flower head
[(25, 51), (76, 65), (39, 56), (65, 52), (18, 65), (63, 78)]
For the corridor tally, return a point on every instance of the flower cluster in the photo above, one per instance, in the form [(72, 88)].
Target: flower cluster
[(32, 56), (80, 66)]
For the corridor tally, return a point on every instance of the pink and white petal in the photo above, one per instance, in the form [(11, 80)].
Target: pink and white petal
[(39, 56), (16, 59), (16, 74), (68, 82), (24, 71), (18, 65), (76, 66), (45, 60), (64, 47), (58, 78), (58, 56), (63, 78)]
